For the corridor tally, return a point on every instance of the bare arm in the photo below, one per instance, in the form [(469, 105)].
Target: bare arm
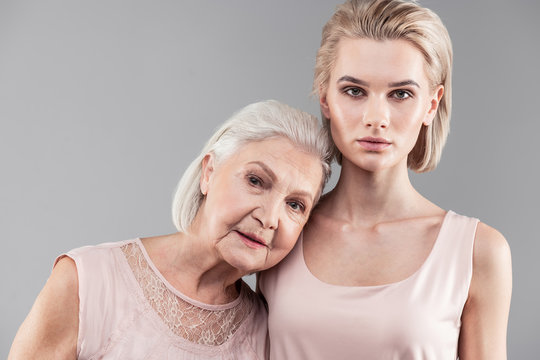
[(50, 330), (485, 316)]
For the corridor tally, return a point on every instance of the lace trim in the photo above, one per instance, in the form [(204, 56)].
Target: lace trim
[(198, 325)]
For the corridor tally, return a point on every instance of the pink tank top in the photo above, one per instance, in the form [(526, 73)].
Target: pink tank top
[(128, 310), (416, 318)]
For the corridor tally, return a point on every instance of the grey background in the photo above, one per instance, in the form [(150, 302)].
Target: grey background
[(104, 103)]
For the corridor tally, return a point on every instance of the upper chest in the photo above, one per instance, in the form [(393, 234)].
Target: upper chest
[(349, 255)]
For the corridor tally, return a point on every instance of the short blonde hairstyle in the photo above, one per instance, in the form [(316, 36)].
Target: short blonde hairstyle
[(395, 20), (255, 122)]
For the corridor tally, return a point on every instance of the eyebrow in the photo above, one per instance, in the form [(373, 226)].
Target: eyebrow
[(354, 80), (266, 169), (273, 176), (404, 83)]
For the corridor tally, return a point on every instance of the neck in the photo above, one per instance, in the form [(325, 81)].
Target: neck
[(369, 197), (192, 265)]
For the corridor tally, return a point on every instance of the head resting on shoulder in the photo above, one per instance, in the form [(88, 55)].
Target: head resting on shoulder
[(255, 122), (395, 20)]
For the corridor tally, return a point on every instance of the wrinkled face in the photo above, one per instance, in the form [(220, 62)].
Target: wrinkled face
[(258, 200), (377, 99)]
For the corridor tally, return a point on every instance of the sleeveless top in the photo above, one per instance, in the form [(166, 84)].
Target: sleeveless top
[(128, 310), (415, 318)]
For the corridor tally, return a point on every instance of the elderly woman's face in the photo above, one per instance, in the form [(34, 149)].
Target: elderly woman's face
[(258, 200)]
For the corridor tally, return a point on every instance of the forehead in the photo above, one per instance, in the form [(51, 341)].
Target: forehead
[(387, 60), (293, 167)]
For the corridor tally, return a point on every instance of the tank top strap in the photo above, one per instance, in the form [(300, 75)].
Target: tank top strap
[(447, 272)]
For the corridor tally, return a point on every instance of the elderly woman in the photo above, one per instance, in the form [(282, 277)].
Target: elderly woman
[(239, 208), (381, 272)]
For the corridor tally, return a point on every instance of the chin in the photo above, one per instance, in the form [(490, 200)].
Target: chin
[(371, 166), (245, 263), (373, 163)]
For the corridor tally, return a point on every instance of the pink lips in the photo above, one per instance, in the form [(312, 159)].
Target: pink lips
[(374, 144), (252, 240)]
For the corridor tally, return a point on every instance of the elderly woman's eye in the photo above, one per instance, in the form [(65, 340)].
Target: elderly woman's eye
[(296, 206), (254, 180)]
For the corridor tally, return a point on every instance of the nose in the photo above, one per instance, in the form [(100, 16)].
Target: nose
[(376, 113), (267, 214)]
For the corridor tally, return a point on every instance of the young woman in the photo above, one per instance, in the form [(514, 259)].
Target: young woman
[(239, 208), (382, 272)]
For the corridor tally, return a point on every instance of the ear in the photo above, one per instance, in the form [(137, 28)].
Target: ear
[(207, 169), (324, 103), (436, 98)]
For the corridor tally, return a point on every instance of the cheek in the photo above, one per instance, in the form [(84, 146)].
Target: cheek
[(346, 116), (227, 207), (411, 121), (288, 236), (340, 128)]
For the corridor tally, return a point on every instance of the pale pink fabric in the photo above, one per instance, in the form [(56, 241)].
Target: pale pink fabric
[(416, 318), (129, 311)]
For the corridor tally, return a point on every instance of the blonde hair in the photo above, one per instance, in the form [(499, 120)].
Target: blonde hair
[(393, 20), (255, 122)]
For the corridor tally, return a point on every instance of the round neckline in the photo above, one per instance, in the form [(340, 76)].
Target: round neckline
[(176, 292), (426, 261)]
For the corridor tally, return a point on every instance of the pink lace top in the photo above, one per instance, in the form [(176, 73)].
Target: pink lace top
[(128, 310)]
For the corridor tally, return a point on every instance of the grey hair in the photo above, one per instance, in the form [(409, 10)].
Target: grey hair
[(255, 122)]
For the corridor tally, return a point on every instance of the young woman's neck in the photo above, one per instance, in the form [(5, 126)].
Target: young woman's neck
[(370, 196)]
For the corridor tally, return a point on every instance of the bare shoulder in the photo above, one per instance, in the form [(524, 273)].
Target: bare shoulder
[(65, 272), (51, 328), (485, 315), (491, 250)]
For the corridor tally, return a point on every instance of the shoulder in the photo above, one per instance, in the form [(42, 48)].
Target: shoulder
[(492, 264), (100, 248), (65, 272), (485, 315), (93, 259), (491, 251), (51, 327)]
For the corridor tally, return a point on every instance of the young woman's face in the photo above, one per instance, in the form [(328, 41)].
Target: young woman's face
[(377, 99), (258, 200)]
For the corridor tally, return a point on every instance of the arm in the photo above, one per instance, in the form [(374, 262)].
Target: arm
[(485, 315), (50, 330)]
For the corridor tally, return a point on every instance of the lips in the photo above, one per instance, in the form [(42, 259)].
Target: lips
[(252, 240), (374, 144)]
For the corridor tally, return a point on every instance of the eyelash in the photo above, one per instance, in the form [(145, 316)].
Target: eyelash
[(361, 92), (405, 92), (348, 90), (301, 206), (254, 180)]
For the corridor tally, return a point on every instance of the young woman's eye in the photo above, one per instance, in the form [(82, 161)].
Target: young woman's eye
[(254, 180), (296, 206), (354, 91), (401, 94)]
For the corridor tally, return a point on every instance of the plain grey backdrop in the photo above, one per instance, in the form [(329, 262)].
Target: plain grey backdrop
[(104, 103)]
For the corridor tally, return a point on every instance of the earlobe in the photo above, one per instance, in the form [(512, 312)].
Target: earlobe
[(437, 96), (207, 168)]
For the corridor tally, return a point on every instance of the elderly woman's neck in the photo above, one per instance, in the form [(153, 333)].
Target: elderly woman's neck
[(191, 266)]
